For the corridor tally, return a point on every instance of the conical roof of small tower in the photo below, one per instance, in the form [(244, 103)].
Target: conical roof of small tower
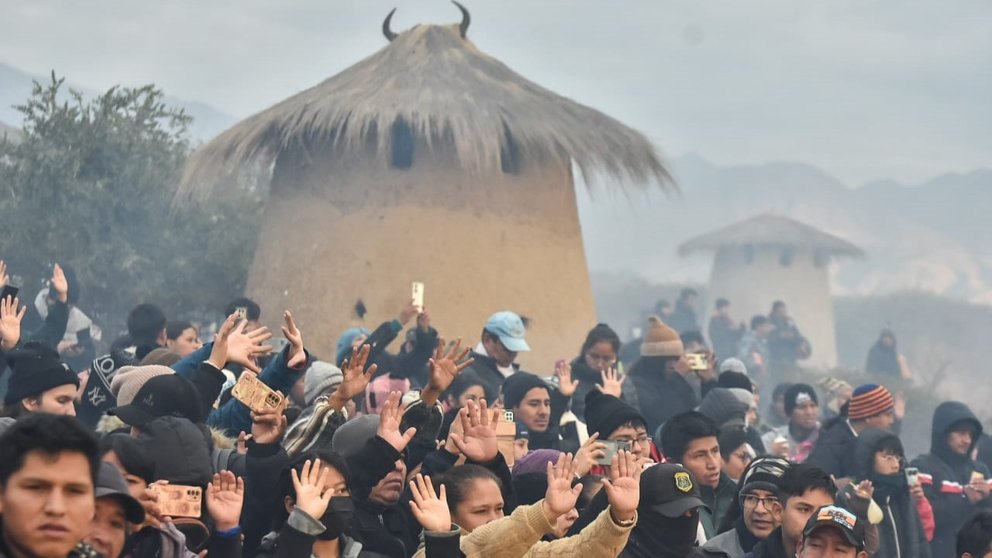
[(772, 230), (446, 91)]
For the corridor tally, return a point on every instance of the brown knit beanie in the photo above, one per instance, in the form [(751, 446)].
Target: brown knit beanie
[(661, 340), (129, 379)]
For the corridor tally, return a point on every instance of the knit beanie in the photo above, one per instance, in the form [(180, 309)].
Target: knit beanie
[(730, 379), (723, 407), (35, 369), (535, 462), (516, 387), (765, 473), (350, 437), (798, 394), (605, 413), (733, 365), (161, 356), (870, 400), (744, 396), (320, 377), (129, 379), (661, 340)]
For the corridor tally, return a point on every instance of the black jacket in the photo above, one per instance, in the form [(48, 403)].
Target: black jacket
[(944, 474), (659, 395), (485, 368), (771, 547), (834, 451), (388, 531)]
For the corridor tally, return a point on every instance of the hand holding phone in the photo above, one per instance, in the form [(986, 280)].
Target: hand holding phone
[(612, 448), (176, 500), (417, 295), (254, 394)]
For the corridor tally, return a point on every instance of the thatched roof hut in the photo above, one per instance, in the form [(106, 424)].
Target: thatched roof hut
[(428, 160), (767, 258)]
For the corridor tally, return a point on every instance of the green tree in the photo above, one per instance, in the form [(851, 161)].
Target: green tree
[(90, 184)]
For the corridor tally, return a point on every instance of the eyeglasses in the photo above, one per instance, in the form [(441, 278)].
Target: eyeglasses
[(750, 502), (640, 440), (890, 457), (743, 456)]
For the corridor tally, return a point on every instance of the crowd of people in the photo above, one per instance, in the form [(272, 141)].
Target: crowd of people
[(169, 447)]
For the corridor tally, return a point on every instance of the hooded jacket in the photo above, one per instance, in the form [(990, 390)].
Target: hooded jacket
[(944, 474), (901, 533), (833, 452)]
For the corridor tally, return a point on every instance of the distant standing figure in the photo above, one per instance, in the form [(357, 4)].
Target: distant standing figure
[(684, 317), (752, 349), (724, 332), (786, 343), (884, 358)]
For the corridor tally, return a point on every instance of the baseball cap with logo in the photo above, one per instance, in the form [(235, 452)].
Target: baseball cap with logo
[(668, 489), (510, 330), (840, 519), (161, 396)]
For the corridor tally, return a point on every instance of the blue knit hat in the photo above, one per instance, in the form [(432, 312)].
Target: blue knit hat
[(345, 341)]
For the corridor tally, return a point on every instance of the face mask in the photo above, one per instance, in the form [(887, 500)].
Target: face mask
[(337, 518)]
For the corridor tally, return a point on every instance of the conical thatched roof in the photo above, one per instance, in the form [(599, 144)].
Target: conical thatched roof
[(448, 93), (772, 230)]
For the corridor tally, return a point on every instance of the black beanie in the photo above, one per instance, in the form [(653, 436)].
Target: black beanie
[(35, 369), (723, 407), (605, 413), (516, 387), (797, 392), (731, 379)]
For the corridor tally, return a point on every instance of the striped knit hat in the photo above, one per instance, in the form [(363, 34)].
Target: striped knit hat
[(870, 400)]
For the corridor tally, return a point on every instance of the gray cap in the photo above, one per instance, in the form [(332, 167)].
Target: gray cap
[(110, 484), (350, 437)]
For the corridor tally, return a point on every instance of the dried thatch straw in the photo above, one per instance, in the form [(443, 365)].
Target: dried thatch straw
[(772, 230), (450, 95)]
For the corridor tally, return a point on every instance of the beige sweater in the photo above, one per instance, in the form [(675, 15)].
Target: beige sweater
[(519, 536)]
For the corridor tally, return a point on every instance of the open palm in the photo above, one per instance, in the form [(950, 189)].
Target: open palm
[(477, 441), (430, 510), (445, 367), (561, 496), (225, 497), (623, 488)]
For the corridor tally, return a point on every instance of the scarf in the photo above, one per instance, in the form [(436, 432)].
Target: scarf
[(657, 536), (744, 536), (888, 486)]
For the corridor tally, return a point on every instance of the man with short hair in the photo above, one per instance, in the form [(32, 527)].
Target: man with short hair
[(253, 312), (834, 532), (39, 382), (803, 429), (48, 468), (956, 485), (617, 421), (691, 439), (529, 397), (805, 490), (496, 354), (115, 508), (760, 510), (146, 329), (975, 538), (683, 319), (871, 406), (752, 349)]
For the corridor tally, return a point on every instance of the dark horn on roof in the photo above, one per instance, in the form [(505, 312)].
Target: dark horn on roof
[(466, 19), (385, 26)]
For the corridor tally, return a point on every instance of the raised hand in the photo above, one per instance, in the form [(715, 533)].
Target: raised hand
[(268, 427), (423, 320), (612, 384), (10, 322), (389, 423), (355, 377), (444, 366), (566, 386), (225, 496), (242, 346), (297, 355), (407, 313), (561, 496), (477, 441), (60, 285), (623, 488), (3, 274), (591, 450), (311, 496), (218, 353), (430, 510)]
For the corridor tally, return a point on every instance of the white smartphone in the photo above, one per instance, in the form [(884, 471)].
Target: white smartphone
[(418, 296), (912, 476)]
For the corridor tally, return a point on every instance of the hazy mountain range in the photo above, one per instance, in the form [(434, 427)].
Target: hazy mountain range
[(933, 237), (15, 88)]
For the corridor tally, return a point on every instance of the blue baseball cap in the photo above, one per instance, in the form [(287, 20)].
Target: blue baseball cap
[(510, 330)]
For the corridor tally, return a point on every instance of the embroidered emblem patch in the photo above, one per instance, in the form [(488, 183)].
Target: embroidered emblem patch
[(683, 482)]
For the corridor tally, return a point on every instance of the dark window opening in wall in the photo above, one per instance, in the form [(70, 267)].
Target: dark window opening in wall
[(402, 145), (785, 258), (509, 153)]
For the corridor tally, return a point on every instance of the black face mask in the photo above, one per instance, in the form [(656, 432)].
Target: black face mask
[(337, 518)]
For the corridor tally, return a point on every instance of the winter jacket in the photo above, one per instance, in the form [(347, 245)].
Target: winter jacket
[(944, 474), (296, 538), (519, 536), (264, 466), (412, 364), (724, 335), (683, 318), (588, 379), (901, 533), (485, 368), (834, 451), (659, 397), (753, 352), (771, 547), (724, 545), (719, 500), (389, 531)]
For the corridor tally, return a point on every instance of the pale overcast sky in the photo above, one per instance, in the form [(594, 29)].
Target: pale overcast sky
[(865, 89)]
